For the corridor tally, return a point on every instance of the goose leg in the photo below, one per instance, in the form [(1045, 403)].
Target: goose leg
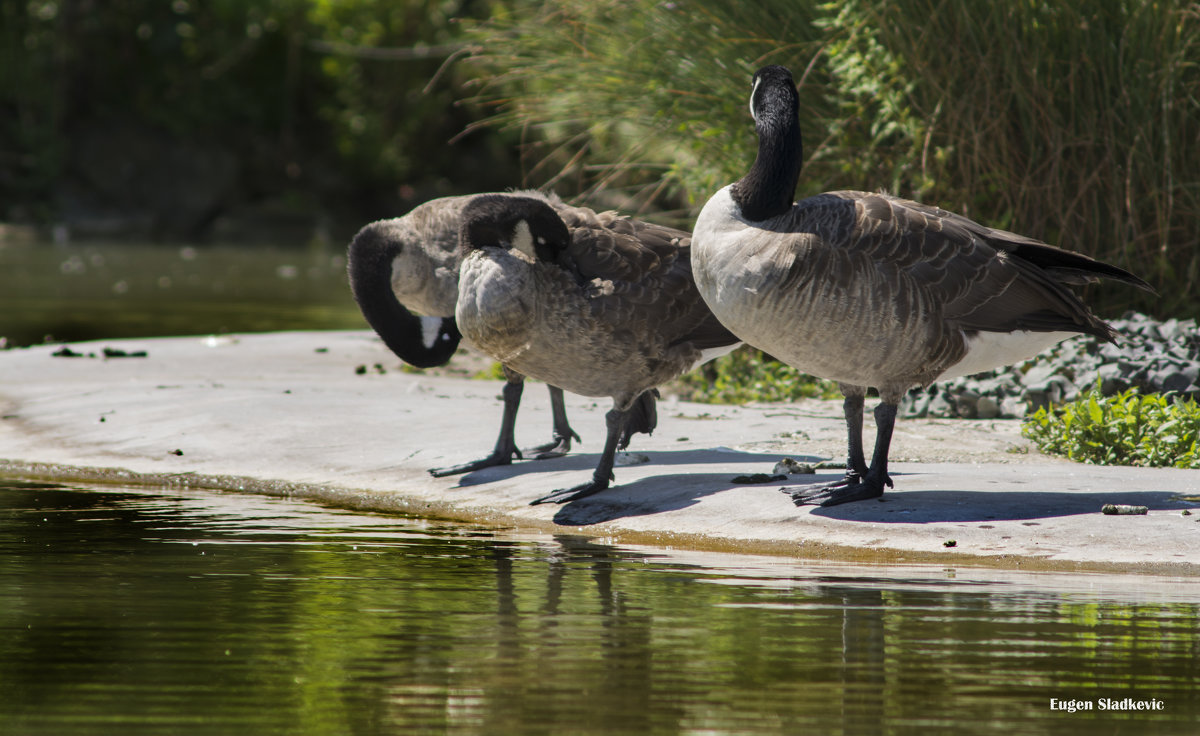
[(857, 487), (563, 434), (852, 407), (642, 417), (615, 420), (506, 446)]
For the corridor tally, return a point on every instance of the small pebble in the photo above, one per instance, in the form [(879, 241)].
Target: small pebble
[(1120, 509), (118, 353), (630, 458), (788, 466)]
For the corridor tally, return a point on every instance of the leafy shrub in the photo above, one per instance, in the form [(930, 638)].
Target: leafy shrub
[(1150, 430)]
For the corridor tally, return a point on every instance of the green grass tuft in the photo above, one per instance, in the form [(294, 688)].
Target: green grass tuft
[(747, 375)]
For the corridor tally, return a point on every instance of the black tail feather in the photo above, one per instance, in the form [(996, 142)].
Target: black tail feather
[(1074, 268)]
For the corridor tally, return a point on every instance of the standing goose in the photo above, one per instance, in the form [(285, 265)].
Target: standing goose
[(412, 262), (871, 290), (598, 304)]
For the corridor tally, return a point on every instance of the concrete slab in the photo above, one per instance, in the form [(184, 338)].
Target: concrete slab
[(309, 415)]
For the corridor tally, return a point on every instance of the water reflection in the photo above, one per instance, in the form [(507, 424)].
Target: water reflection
[(121, 290), (216, 613)]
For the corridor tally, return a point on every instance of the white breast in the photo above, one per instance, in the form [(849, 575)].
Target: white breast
[(717, 223)]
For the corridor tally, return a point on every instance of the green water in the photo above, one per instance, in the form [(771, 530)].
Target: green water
[(133, 612), (120, 290), (130, 612)]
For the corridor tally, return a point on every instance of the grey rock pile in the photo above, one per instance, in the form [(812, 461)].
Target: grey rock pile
[(1149, 355)]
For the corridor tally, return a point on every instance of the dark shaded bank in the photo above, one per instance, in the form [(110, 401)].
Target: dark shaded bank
[(190, 120)]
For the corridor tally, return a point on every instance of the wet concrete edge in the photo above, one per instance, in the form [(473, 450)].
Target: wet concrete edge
[(392, 502)]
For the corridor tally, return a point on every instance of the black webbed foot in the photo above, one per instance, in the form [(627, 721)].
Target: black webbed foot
[(490, 461), (616, 420), (559, 447), (563, 495), (852, 487)]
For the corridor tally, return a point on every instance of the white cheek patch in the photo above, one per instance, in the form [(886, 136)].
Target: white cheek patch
[(522, 240), (401, 276), (430, 327), (753, 92)]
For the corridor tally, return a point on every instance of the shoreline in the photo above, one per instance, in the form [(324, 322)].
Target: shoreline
[(288, 414)]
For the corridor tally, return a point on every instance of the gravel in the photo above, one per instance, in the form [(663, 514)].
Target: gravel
[(1149, 355)]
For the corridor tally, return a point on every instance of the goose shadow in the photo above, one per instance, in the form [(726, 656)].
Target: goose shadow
[(661, 493), (981, 504), (644, 497), (588, 461), (941, 506)]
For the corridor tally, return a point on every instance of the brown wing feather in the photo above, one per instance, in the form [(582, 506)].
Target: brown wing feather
[(608, 246), (630, 265), (981, 278)]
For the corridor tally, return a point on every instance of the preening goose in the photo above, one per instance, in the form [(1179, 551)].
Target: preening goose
[(411, 262), (598, 304), (871, 290)]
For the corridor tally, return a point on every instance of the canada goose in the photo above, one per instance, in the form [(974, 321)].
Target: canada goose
[(598, 304), (412, 262), (871, 290)]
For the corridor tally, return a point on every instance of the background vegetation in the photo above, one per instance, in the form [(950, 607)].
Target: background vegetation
[(181, 119), (1076, 124), (314, 108)]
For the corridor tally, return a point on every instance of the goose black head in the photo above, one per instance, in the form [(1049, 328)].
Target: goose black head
[(521, 223), (768, 188), (420, 341), (773, 97)]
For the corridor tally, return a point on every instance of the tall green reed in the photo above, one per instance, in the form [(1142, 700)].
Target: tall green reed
[(1076, 124), (639, 103)]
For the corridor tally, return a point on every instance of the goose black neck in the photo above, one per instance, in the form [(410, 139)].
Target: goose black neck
[(769, 188), (369, 267)]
